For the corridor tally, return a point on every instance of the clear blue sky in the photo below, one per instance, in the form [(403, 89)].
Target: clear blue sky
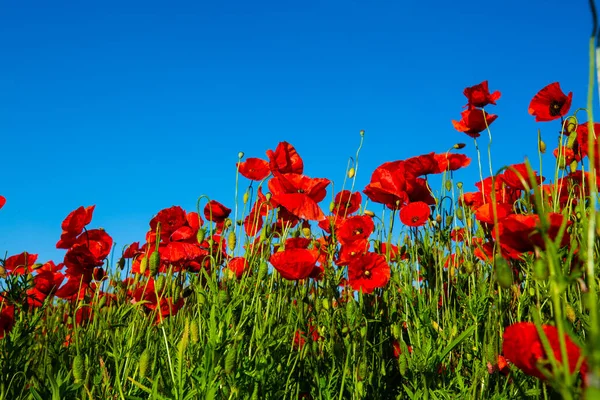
[(140, 105)]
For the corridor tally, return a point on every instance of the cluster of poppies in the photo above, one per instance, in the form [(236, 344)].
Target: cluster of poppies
[(280, 228)]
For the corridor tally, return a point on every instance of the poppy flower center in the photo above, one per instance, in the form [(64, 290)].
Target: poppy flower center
[(367, 273), (358, 231), (300, 191), (415, 219), (555, 108)]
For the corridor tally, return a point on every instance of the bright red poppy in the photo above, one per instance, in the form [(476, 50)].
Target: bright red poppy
[(2, 201), (170, 219), (255, 169), (73, 225), (479, 95), (512, 177), (550, 103), (415, 214), (299, 194), (346, 203), (388, 185), (474, 121), (238, 265), (359, 227), (285, 159), (523, 347), (368, 272), (295, 263)]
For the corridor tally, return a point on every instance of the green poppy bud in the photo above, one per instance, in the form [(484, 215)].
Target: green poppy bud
[(504, 274), (154, 262), (78, 368), (351, 173)]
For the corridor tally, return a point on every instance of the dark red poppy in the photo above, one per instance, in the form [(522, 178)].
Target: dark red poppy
[(7, 319), (359, 227), (368, 272), (285, 159), (2, 201), (73, 225), (479, 95), (45, 283), (216, 212), (300, 337), (523, 347), (170, 219), (415, 214), (550, 103), (132, 250), (346, 203), (474, 121), (255, 169), (294, 264), (20, 264)]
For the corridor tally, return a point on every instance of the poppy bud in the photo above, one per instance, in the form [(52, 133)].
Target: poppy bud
[(331, 206), (369, 213), (230, 358), (468, 267), (459, 213), (306, 232), (448, 185), (78, 368), (459, 146), (194, 334), (325, 303), (231, 240), (144, 363), (262, 270), (459, 185), (396, 331), (542, 146), (573, 165), (159, 284), (241, 155), (187, 292), (351, 173), (570, 313), (362, 132), (154, 262), (200, 235), (268, 196), (121, 263), (402, 364), (2, 272), (143, 264), (449, 220), (504, 274), (246, 197)]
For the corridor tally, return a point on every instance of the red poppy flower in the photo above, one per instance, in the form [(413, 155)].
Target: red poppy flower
[(346, 203), (299, 194), (368, 272), (512, 177), (550, 103), (216, 212), (7, 319), (523, 347), (489, 214), (255, 169), (238, 265), (351, 251), (415, 214), (479, 95), (20, 264), (2, 201), (355, 228), (73, 225), (451, 162), (285, 159), (170, 219), (294, 264), (474, 121), (388, 185)]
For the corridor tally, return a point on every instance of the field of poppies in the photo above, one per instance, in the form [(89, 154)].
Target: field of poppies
[(394, 290)]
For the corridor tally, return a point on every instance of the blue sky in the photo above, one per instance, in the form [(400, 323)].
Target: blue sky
[(136, 106)]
